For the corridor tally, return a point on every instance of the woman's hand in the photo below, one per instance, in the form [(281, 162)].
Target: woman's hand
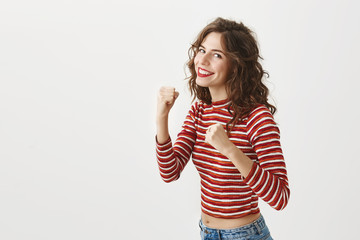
[(217, 137), (166, 99)]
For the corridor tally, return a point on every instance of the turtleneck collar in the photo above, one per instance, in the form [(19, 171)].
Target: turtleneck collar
[(221, 103)]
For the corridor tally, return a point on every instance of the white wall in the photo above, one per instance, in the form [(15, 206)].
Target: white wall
[(78, 85)]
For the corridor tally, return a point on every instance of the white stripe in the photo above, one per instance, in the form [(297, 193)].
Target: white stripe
[(260, 120), (190, 139), (214, 151), (228, 214), (265, 184), (192, 127), (221, 106), (211, 122), (167, 174), (277, 189), (226, 200), (256, 136), (271, 154), (265, 110), (269, 148), (264, 126), (225, 214), (251, 154), (224, 187), (276, 168), (261, 176), (286, 192), (210, 114), (164, 151), (196, 154), (226, 193), (204, 122), (276, 161), (189, 121), (165, 157), (253, 176), (267, 141), (241, 125), (201, 134), (165, 169), (240, 140), (240, 132), (227, 207), (278, 202), (185, 157), (223, 180), (170, 156), (214, 165), (215, 172), (183, 143), (169, 179), (188, 151), (163, 145)]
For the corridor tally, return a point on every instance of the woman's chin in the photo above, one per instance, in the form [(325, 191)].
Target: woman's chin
[(201, 82)]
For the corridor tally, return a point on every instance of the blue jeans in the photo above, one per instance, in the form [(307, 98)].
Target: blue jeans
[(256, 230)]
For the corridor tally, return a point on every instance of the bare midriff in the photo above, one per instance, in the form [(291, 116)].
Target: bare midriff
[(224, 223)]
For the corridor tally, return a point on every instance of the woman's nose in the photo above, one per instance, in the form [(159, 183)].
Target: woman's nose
[(204, 59)]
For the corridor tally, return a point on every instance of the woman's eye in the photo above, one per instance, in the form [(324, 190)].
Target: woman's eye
[(201, 50), (217, 55)]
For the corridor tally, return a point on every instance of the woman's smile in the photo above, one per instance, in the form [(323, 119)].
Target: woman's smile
[(204, 73)]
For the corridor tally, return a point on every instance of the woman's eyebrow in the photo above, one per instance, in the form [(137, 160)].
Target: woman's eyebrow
[(213, 50)]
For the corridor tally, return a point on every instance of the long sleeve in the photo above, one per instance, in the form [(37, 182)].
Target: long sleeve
[(268, 176), (172, 159)]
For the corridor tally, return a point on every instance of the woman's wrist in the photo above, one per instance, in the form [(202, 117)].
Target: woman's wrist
[(230, 150)]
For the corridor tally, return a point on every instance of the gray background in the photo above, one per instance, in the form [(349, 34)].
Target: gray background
[(78, 85)]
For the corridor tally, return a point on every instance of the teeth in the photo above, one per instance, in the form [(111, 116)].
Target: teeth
[(204, 72)]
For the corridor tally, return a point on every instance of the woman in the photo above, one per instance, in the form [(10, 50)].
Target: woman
[(230, 133)]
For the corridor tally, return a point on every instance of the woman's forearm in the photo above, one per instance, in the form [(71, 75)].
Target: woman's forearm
[(162, 134), (242, 162)]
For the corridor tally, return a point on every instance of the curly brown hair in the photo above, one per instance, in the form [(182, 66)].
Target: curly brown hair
[(244, 85)]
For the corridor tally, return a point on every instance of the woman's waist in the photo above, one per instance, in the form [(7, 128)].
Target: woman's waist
[(225, 223)]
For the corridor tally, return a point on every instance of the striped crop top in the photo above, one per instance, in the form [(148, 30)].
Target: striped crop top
[(224, 192)]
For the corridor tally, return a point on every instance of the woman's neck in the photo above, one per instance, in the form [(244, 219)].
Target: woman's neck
[(218, 95)]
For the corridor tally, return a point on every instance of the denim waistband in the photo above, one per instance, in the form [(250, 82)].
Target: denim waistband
[(255, 226)]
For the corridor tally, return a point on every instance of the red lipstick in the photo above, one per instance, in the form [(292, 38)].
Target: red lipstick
[(203, 73)]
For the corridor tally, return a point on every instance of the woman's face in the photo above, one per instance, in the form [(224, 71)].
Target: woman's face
[(212, 66)]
